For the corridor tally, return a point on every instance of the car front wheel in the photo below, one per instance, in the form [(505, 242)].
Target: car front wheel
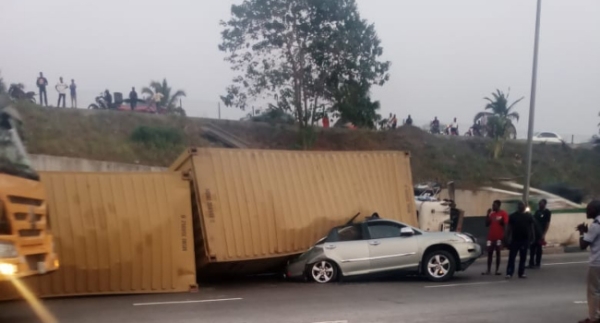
[(323, 272), (439, 266)]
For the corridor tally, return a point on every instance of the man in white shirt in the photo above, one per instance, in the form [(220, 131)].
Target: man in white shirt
[(157, 98), (590, 237), (454, 128), (61, 87)]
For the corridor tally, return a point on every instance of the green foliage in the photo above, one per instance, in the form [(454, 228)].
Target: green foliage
[(500, 117), (274, 115), (300, 54), (354, 105), (157, 137), (170, 101)]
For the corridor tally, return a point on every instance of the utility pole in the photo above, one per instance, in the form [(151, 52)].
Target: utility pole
[(532, 102)]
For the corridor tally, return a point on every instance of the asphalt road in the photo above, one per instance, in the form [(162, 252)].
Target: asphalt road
[(555, 293)]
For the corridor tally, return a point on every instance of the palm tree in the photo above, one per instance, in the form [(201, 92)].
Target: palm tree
[(169, 101), (500, 119)]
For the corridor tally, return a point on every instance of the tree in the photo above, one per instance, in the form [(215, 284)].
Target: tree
[(500, 117), (354, 105), (301, 55), (169, 101)]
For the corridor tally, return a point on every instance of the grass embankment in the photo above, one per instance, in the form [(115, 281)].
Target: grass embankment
[(109, 135)]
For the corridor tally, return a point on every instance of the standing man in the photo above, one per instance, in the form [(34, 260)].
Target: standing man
[(73, 88), (41, 83), (496, 220), (454, 128), (61, 87), (157, 98), (519, 235), (590, 237), (133, 98), (409, 120), (542, 223), (394, 122)]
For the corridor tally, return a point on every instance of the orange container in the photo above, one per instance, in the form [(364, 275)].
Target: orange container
[(117, 233), (258, 204)]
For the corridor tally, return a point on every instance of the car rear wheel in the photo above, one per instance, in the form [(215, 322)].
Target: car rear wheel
[(323, 272), (439, 266)]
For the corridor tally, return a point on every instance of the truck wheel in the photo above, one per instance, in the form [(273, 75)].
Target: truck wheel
[(323, 272), (439, 266)]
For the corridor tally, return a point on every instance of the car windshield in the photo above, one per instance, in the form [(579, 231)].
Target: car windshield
[(13, 157)]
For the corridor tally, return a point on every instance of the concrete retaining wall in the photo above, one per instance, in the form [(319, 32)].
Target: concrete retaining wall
[(66, 164)]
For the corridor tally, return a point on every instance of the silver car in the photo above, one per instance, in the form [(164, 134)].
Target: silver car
[(377, 246)]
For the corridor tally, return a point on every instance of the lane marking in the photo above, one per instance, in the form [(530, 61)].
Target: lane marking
[(188, 302), (580, 302), (345, 321), (566, 263), (466, 284)]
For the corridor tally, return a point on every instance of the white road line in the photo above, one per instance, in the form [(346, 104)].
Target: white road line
[(332, 322), (467, 284), (188, 302), (580, 302), (566, 263)]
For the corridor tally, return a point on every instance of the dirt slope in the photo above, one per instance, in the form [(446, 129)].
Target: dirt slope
[(106, 135)]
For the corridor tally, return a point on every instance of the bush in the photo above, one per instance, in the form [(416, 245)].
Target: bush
[(157, 137)]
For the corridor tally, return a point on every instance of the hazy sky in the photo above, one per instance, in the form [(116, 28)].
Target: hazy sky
[(446, 55)]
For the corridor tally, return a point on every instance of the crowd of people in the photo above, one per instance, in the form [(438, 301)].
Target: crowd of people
[(522, 233), (61, 88)]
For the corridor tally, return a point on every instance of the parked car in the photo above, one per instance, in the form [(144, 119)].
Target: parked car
[(377, 246), (549, 137)]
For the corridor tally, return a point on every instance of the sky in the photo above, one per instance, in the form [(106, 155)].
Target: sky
[(446, 55)]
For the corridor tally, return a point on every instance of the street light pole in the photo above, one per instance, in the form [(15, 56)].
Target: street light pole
[(532, 103)]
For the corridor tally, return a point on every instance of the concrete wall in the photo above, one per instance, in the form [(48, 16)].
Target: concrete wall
[(67, 164)]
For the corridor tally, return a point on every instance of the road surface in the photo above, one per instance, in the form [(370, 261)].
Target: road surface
[(556, 293)]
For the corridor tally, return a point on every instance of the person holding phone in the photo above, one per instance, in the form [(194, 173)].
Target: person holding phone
[(590, 237), (496, 221)]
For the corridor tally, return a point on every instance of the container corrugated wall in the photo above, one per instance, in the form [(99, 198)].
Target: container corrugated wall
[(264, 203), (117, 233)]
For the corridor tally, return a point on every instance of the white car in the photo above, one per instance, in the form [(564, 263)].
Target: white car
[(548, 137)]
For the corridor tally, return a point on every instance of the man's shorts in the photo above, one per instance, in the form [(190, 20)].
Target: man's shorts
[(494, 245)]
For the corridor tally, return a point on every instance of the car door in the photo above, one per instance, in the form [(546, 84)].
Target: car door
[(389, 250), (348, 247)]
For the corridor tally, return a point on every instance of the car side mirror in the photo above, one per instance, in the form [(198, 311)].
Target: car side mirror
[(407, 232)]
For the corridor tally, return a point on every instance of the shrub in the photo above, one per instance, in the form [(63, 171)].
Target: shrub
[(157, 137)]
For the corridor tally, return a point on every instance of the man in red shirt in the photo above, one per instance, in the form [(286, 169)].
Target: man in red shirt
[(496, 220)]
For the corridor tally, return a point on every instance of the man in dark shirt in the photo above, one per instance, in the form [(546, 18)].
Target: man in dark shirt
[(542, 222), (133, 98), (519, 235), (41, 83)]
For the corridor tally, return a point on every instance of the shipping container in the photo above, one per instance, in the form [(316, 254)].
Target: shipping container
[(117, 233), (256, 206)]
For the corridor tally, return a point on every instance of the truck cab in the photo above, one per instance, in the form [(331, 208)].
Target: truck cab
[(26, 244)]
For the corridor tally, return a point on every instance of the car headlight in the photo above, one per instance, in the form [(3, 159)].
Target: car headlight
[(7, 250), (7, 269), (464, 237)]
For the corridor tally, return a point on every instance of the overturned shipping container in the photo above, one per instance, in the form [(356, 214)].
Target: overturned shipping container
[(254, 208), (117, 233)]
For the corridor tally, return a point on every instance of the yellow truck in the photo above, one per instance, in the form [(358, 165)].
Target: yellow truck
[(26, 245)]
